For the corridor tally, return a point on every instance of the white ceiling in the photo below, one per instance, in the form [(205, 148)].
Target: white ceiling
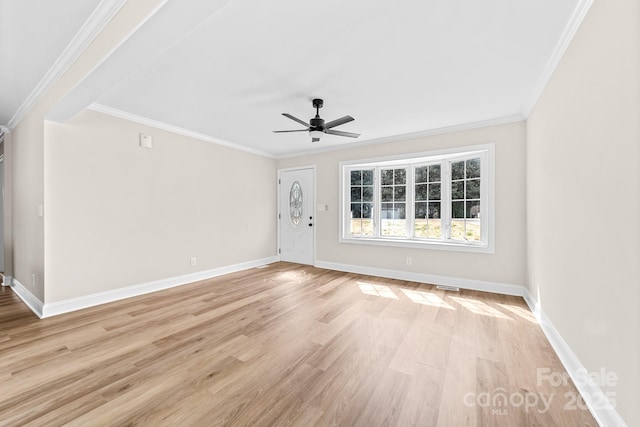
[(227, 69), (33, 35)]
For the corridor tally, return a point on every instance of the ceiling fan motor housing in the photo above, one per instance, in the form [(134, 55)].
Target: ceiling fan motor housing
[(317, 123)]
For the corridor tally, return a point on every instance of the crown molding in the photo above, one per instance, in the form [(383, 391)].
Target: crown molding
[(409, 136), (96, 22), (569, 32), (100, 108), (173, 129)]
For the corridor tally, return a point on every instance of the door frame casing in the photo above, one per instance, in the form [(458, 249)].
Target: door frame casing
[(314, 207)]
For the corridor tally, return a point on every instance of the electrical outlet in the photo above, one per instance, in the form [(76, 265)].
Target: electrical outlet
[(193, 261), (409, 261), (33, 280)]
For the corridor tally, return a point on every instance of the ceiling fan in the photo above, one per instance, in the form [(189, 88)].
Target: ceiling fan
[(317, 127)]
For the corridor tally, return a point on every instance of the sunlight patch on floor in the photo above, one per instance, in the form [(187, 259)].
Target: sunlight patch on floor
[(426, 298), (519, 311), (376, 290), (479, 307)]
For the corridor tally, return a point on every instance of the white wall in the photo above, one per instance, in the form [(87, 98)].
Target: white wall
[(121, 215), (584, 197), (506, 266)]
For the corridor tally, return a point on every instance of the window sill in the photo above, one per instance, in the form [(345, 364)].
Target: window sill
[(439, 246)]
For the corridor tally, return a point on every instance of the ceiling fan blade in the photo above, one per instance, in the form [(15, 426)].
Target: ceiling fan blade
[(338, 122), (340, 133), (285, 131), (315, 139), (295, 119)]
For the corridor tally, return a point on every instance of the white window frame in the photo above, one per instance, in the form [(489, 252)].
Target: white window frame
[(487, 205)]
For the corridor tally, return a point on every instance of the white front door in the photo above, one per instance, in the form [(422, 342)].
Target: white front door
[(296, 215)]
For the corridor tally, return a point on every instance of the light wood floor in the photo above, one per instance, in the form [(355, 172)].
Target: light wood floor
[(283, 345)]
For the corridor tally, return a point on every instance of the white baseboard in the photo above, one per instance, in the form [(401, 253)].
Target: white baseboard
[(27, 297), (86, 301), (7, 280), (476, 285), (599, 406)]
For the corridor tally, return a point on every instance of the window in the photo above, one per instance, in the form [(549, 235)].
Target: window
[(361, 191), (393, 198), (428, 201), (437, 200)]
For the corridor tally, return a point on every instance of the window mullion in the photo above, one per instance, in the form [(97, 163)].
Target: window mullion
[(346, 214), (409, 202), (377, 204), (484, 197), (445, 169)]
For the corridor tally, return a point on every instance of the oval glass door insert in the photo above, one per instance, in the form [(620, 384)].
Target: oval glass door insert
[(295, 204)]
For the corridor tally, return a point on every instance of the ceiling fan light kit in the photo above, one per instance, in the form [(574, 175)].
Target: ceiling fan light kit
[(317, 127), (315, 133)]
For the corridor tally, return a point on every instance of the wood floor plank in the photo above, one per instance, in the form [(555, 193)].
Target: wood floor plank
[(286, 345)]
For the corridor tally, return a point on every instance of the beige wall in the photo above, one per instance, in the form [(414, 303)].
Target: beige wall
[(507, 265), (7, 151), (27, 157), (27, 162), (120, 215), (584, 197)]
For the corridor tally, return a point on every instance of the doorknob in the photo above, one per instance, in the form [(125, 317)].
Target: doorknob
[(310, 225)]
